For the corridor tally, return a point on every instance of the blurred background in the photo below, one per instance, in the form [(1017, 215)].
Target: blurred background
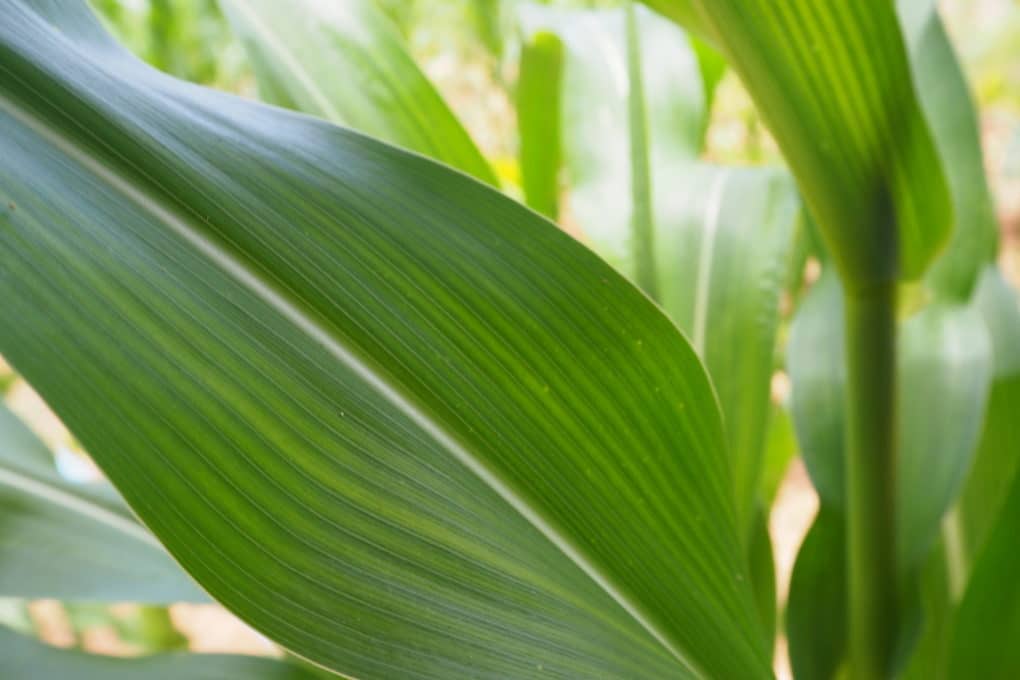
[(467, 48)]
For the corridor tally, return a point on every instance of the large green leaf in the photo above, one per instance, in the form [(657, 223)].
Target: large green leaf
[(833, 82), (344, 61), (24, 657), (73, 541), (391, 418)]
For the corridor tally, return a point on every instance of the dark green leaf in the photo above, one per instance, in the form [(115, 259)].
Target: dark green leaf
[(394, 420), (833, 82), (816, 609)]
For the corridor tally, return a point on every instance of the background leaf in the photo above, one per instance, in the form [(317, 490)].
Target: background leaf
[(987, 622), (596, 120), (72, 541), (23, 657), (344, 61), (949, 109), (724, 256), (538, 119)]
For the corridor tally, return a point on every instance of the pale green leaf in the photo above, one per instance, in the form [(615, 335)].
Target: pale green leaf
[(73, 541), (599, 131), (944, 375), (723, 257), (344, 61), (24, 657), (949, 108)]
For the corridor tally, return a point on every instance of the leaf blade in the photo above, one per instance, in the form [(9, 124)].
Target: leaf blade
[(848, 122), (387, 367)]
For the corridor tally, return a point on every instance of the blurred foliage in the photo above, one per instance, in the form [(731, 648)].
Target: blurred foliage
[(189, 39)]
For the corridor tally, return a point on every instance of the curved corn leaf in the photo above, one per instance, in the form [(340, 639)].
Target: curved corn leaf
[(833, 82), (72, 541), (539, 90), (389, 417), (814, 360), (949, 108), (24, 657), (816, 609), (344, 61)]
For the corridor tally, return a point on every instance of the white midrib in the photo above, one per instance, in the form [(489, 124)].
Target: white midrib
[(712, 211), (232, 266), (287, 58), (65, 499)]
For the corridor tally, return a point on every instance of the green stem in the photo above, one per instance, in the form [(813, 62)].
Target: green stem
[(642, 227), (871, 457)]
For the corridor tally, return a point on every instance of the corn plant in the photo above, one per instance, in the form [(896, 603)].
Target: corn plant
[(407, 427)]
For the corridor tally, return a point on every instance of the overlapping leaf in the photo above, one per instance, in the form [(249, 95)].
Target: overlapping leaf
[(833, 82), (389, 417), (73, 541), (23, 657), (342, 60), (949, 109)]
